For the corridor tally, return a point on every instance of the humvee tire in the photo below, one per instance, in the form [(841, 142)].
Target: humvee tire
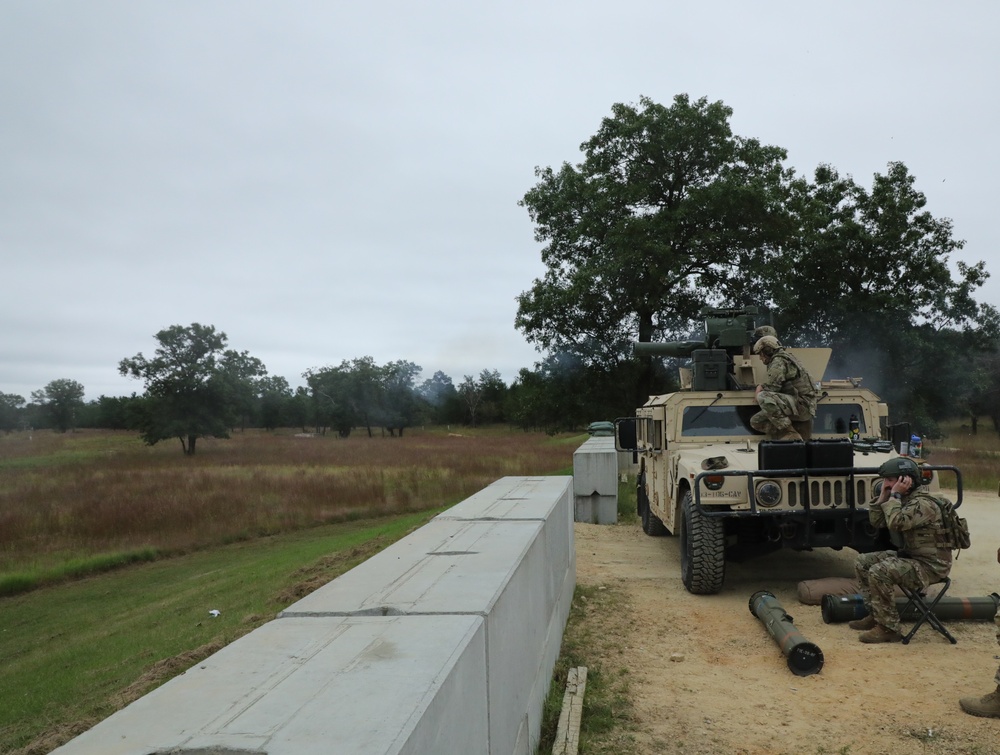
[(703, 554), (652, 525)]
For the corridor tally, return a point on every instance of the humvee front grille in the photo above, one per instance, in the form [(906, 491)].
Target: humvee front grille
[(824, 491)]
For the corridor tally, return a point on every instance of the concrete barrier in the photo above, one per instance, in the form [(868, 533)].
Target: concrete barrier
[(595, 481), (443, 642)]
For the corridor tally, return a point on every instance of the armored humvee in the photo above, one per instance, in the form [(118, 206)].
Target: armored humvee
[(704, 474)]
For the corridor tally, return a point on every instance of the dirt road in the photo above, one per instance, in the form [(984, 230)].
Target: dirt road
[(707, 678)]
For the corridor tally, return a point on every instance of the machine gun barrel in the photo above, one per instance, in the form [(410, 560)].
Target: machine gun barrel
[(837, 608), (804, 658)]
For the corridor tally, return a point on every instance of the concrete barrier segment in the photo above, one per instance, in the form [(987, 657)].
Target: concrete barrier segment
[(513, 498), (595, 468), (402, 685)]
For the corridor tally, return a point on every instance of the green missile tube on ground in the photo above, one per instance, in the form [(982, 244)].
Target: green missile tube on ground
[(804, 658), (838, 608)]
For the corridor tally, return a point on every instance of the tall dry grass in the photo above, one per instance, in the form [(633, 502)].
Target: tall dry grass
[(75, 495), (976, 456)]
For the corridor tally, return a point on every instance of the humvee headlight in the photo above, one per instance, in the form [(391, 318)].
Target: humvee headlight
[(768, 493), (714, 482), (926, 476)]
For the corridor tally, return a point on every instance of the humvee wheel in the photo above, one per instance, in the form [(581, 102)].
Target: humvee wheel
[(652, 525), (703, 549)]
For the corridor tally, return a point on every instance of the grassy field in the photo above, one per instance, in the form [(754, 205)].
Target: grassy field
[(113, 553), (77, 503)]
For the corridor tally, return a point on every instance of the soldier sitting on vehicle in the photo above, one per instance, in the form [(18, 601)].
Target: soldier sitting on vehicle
[(915, 525), (787, 397)]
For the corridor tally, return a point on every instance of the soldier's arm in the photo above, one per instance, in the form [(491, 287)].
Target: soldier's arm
[(916, 512), (876, 516)]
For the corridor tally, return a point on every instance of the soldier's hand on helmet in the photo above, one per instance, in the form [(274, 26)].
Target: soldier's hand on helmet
[(902, 485), (886, 489)]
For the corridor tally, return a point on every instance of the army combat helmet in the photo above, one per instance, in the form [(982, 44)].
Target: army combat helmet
[(764, 330), (766, 345), (901, 467)]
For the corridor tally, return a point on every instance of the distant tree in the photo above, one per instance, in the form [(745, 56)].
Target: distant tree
[(400, 403), (11, 406), (563, 394), (441, 398), (361, 393), (494, 395), (665, 206), (274, 409), (61, 400), (195, 388), (983, 395), (298, 408), (338, 400), (472, 394), (242, 377)]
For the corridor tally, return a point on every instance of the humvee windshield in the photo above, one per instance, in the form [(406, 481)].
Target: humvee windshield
[(831, 419)]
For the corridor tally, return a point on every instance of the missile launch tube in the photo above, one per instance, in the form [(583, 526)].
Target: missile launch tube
[(838, 608), (672, 349), (804, 658)]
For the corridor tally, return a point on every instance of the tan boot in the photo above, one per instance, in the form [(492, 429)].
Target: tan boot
[(880, 634), (868, 622), (987, 706), (789, 434)]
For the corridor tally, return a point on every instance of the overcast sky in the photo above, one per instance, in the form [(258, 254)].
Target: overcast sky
[(329, 180)]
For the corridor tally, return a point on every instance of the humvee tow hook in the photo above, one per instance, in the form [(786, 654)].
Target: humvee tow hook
[(804, 658)]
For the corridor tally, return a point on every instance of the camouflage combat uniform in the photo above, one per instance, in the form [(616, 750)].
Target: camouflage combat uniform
[(996, 620), (924, 555), (788, 395)]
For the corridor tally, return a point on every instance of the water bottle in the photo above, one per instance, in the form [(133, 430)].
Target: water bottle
[(916, 445)]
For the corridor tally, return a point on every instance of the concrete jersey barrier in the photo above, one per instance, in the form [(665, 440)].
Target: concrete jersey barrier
[(444, 642)]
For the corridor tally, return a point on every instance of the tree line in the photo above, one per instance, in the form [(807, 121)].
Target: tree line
[(668, 211), (196, 387)]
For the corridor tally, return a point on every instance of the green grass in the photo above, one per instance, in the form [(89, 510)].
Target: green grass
[(75, 653), (608, 712)]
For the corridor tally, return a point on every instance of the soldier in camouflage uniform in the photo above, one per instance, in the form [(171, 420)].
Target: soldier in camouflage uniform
[(987, 706), (787, 397), (923, 557)]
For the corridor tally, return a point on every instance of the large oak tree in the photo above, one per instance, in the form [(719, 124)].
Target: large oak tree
[(665, 206)]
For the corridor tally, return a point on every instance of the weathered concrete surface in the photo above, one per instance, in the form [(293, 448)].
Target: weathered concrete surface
[(595, 481), (311, 686)]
